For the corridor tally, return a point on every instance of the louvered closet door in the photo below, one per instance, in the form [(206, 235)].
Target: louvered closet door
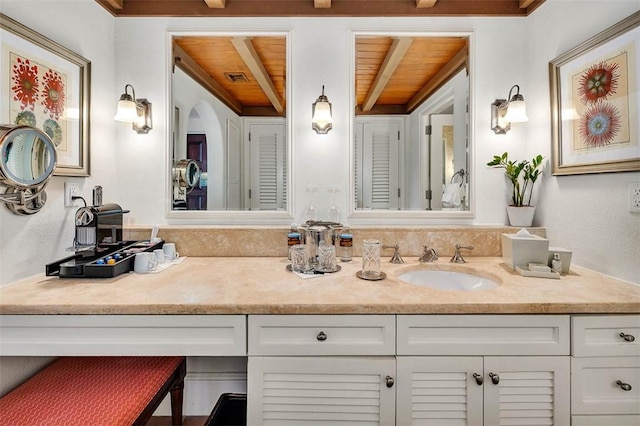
[(531, 391), (320, 391), (268, 167), (439, 391), (380, 171)]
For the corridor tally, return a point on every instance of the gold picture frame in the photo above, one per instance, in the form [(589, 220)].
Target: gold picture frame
[(47, 86), (595, 103)]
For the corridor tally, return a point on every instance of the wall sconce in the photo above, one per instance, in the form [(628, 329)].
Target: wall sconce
[(137, 112), (321, 120), (504, 113)]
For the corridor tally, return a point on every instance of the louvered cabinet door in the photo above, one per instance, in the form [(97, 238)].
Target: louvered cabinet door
[(439, 391), (267, 148), (526, 391), (321, 391)]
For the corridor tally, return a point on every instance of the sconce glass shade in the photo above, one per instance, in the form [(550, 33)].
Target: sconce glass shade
[(516, 111), (321, 120), (126, 111)]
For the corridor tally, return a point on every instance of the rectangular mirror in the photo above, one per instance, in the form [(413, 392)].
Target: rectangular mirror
[(411, 124), (229, 141)]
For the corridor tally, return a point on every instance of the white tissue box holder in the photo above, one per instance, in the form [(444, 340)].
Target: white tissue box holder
[(522, 250)]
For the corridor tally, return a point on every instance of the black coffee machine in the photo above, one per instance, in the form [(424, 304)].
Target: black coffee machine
[(98, 245)]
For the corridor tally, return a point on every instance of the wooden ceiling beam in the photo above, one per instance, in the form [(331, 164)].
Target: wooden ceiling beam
[(215, 4), (250, 57), (396, 52), (425, 3), (183, 61), (455, 64), (525, 3), (322, 4), (116, 4)]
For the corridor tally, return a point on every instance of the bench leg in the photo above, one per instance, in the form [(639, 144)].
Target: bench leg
[(176, 403)]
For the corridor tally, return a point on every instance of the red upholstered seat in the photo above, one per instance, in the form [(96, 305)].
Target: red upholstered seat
[(88, 391)]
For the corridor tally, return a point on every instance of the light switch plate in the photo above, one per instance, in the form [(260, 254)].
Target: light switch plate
[(634, 197)]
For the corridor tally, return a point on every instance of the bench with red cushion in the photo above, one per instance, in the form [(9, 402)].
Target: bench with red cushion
[(96, 391)]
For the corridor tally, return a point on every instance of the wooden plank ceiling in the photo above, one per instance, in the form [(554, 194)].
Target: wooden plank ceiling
[(393, 75)]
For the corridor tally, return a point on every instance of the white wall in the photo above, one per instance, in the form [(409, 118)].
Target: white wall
[(584, 213), (27, 243)]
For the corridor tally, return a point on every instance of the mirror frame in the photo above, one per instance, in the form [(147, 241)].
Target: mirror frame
[(227, 217), (411, 217)]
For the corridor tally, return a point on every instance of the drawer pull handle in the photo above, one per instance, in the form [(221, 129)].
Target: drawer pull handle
[(624, 386), (479, 379), (390, 381), (627, 337), (495, 379), (321, 336)]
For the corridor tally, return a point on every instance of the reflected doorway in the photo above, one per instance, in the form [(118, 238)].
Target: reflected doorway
[(197, 150)]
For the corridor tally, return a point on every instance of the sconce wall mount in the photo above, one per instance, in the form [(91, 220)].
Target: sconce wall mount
[(134, 111), (507, 111)]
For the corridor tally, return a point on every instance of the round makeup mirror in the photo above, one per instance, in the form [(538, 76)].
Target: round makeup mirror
[(27, 161), (186, 177)]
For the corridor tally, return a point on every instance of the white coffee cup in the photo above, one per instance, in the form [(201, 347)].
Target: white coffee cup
[(159, 256), (145, 262), (169, 250)]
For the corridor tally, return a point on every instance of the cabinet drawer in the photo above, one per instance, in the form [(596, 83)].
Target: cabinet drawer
[(594, 387), (606, 335), (605, 420), (65, 335), (483, 334), (321, 335)]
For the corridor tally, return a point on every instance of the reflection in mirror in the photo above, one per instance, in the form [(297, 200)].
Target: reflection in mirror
[(228, 93), (27, 161), (411, 125)]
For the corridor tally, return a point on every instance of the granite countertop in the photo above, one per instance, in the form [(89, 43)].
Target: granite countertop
[(261, 285)]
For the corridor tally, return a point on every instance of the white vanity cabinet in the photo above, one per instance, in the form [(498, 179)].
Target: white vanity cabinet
[(321, 370), (483, 369), (605, 370)]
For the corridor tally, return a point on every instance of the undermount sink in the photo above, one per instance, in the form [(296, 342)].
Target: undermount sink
[(447, 280)]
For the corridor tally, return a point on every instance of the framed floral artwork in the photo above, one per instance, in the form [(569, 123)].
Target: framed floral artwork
[(595, 103), (45, 85)]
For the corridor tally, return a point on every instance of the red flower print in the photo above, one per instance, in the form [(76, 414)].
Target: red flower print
[(25, 83), (53, 94), (599, 125), (598, 82)]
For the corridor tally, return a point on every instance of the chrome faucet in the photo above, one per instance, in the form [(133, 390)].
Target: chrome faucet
[(457, 257), (396, 253), (429, 255)]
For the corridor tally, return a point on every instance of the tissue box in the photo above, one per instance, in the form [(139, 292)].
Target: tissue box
[(519, 250), (565, 257)]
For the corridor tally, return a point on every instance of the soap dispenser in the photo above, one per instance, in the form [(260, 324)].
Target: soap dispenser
[(556, 263)]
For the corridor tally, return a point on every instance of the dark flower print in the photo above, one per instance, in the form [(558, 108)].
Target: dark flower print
[(53, 94), (598, 83), (25, 83), (600, 124)]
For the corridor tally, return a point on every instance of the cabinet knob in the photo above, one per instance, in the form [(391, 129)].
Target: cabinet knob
[(478, 377), (624, 386), (321, 336), (627, 337), (390, 381), (495, 379)]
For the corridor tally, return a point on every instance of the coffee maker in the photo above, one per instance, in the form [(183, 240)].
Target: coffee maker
[(100, 251)]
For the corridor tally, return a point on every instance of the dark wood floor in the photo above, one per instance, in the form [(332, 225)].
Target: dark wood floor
[(186, 421)]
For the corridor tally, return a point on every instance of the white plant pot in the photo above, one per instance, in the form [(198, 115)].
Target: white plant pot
[(520, 216)]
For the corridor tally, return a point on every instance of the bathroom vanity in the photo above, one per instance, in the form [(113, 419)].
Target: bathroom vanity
[(531, 350)]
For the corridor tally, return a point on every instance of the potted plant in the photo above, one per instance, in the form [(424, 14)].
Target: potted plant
[(522, 175)]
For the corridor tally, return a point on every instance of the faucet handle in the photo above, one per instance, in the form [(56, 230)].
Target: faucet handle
[(396, 253), (457, 257), (428, 255)]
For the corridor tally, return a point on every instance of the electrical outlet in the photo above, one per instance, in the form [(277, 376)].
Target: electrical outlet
[(634, 197), (70, 190)]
